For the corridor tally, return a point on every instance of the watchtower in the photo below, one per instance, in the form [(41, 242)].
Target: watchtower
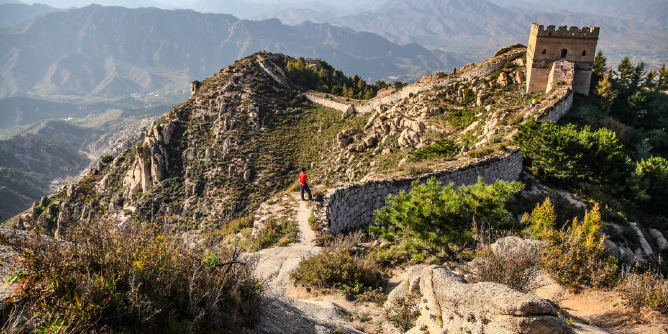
[(547, 46)]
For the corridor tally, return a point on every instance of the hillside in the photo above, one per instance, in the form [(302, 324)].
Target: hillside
[(46, 154), (98, 52)]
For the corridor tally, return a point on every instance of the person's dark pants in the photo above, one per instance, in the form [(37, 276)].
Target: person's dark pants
[(306, 189)]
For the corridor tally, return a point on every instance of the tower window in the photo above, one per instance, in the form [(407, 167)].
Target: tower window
[(564, 53), (584, 53), (544, 51)]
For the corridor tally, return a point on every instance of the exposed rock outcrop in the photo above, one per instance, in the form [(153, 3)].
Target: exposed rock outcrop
[(448, 304)]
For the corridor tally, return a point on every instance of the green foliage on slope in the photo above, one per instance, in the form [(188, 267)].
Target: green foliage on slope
[(324, 78), (434, 219), (566, 155)]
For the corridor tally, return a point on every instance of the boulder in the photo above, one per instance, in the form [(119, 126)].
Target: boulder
[(343, 141), (448, 304), (439, 76), (349, 111), (504, 79), (194, 86), (516, 245), (482, 96), (659, 239), (435, 111), (519, 77)]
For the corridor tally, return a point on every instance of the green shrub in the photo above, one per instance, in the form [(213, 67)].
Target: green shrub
[(324, 78), (339, 268), (136, 279), (461, 118), (276, 232), (649, 183), (436, 218), (440, 148), (313, 221), (107, 158), (648, 289)]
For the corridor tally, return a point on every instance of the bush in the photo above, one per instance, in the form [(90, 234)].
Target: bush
[(577, 256), (276, 232), (107, 158), (339, 268), (440, 148), (403, 312), (649, 183), (102, 279), (461, 118), (516, 268), (435, 218), (648, 289)]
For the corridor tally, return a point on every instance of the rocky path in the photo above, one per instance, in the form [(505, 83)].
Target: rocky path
[(275, 264), (282, 313)]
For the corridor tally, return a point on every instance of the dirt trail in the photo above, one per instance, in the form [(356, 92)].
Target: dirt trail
[(275, 264), (306, 234)]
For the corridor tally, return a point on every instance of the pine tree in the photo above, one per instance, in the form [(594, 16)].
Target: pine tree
[(607, 92), (662, 80), (624, 72), (600, 64), (650, 80)]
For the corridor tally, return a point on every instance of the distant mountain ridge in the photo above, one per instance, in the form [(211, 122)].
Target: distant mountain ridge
[(104, 52), (479, 27), (15, 13)]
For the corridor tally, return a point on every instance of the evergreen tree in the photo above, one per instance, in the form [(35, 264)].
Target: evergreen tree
[(606, 92), (437, 217), (662, 80), (600, 64), (624, 72), (650, 80)]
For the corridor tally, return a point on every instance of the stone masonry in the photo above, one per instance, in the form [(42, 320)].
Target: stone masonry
[(548, 45), (352, 207)]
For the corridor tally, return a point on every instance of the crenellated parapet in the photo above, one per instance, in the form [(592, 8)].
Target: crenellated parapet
[(564, 31), (550, 45)]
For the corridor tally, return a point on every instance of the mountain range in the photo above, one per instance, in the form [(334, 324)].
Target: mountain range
[(476, 28), (106, 52)]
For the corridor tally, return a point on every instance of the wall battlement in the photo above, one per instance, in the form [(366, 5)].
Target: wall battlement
[(564, 31), (548, 45)]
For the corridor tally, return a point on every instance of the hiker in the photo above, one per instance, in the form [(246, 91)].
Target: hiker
[(303, 184), (533, 105)]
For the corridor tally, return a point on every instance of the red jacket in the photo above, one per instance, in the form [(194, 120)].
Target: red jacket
[(303, 178)]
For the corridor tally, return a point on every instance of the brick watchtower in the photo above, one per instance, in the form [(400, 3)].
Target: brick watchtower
[(548, 46)]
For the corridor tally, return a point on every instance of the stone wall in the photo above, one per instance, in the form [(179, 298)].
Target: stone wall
[(555, 111), (342, 107), (561, 95), (353, 206), (485, 68)]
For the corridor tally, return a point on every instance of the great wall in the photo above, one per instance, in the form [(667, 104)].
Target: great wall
[(350, 207)]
